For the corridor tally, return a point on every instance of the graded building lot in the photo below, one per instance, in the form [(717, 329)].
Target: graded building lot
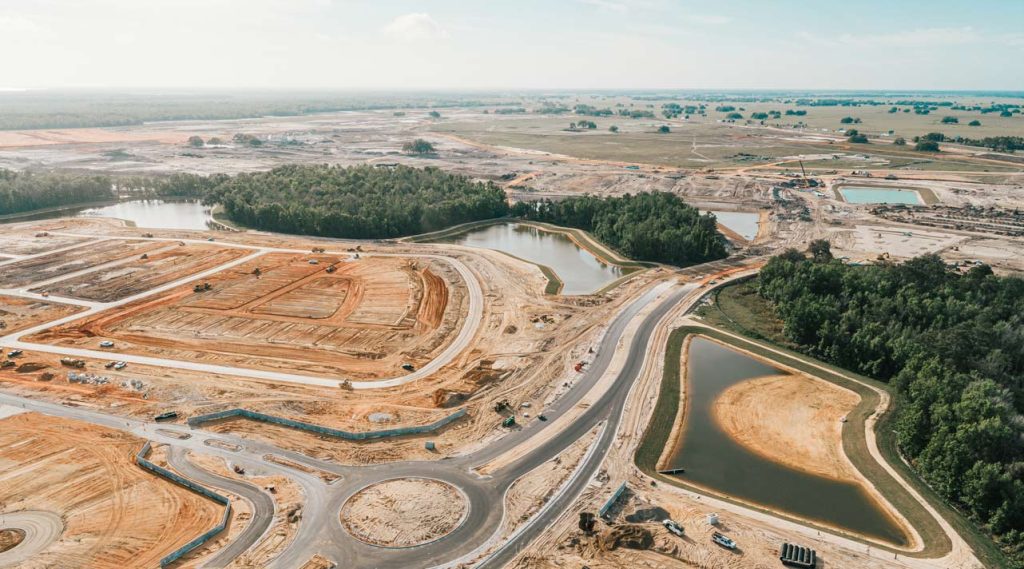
[(79, 258), (115, 514), (160, 266), (18, 313), (16, 243), (365, 319)]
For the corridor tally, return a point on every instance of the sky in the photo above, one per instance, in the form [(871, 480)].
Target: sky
[(513, 44)]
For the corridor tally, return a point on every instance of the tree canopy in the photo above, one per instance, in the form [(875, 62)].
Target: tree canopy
[(26, 191), (656, 226), (418, 146), (952, 347), (357, 202)]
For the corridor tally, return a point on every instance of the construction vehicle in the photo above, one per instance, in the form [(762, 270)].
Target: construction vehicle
[(793, 555), (542, 417), (673, 527), (144, 256), (502, 405), (587, 522), (69, 362), (14, 353), (318, 249), (7, 364), (202, 288), (106, 344), (578, 367), (166, 416), (408, 367), (331, 269), (120, 365), (723, 541), (314, 262), (509, 422), (109, 365)]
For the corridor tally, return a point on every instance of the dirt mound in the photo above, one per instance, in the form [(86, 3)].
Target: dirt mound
[(10, 538), (444, 398), (628, 536), (654, 514)]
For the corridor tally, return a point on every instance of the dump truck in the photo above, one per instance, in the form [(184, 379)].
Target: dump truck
[(673, 527), (71, 362), (166, 416), (723, 541)]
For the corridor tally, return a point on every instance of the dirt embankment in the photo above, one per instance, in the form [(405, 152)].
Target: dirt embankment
[(791, 419)]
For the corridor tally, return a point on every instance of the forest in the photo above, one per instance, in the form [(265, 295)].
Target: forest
[(649, 226), (26, 191), (950, 345), (361, 202)]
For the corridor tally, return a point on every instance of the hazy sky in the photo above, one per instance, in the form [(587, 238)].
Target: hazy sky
[(387, 44)]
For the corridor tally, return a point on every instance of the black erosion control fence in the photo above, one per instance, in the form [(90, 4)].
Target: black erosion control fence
[(347, 435), (177, 554)]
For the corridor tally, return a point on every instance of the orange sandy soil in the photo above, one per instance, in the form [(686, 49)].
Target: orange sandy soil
[(116, 514), (161, 267), (790, 419), (19, 313), (361, 322), (22, 138)]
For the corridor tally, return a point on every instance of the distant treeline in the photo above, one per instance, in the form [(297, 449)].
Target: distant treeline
[(655, 226), (362, 202), (23, 191), (951, 346), (38, 109)]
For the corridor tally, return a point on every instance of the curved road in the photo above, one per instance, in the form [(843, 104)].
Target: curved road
[(41, 529), (262, 505)]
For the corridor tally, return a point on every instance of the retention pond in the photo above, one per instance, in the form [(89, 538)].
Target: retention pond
[(150, 214), (869, 195), (714, 461), (580, 271)]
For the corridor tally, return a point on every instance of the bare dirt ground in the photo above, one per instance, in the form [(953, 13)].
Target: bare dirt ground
[(364, 320), (116, 514), (790, 419), (404, 512), (18, 313), (159, 267), (83, 257)]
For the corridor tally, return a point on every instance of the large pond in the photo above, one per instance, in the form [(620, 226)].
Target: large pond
[(151, 214), (713, 460), (580, 271), (743, 223), (869, 195)]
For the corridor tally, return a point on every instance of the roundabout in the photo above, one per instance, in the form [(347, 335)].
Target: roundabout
[(404, 512), (26, 534)]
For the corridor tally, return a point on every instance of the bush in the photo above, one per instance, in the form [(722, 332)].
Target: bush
[(858, 139), (975, 122), (950, 120), (927, 146), (664, 129), (900, 141), (418, 146), (195, 142)]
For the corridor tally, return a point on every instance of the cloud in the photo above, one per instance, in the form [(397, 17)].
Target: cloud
[(922, 37), (16, 25), (414, 27), (709, 19), (607, 6)]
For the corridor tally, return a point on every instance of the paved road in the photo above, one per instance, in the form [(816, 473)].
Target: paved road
[(262, 505), (469, 328)]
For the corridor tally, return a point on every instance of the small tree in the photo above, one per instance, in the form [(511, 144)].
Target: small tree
[(821, 250), (900, 141), (418, 146), (950, 120), (435, 115), (927, 146), (1006, 114), (664, 129), (846, 120), (975, 122), (215, 141), (734, 116), (195, 142), (858, 138), (613, 128)]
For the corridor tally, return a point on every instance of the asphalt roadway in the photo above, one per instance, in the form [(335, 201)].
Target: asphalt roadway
[(321, 531)]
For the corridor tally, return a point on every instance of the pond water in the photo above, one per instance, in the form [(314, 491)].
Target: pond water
[(580, 271), (744, 223), (868, 195), (713, 460), (151, 214)]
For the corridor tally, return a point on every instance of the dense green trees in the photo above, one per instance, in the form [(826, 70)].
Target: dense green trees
[(927, 146), (655, 226), (951, 345), (418, 146), (357, 202), (664, 129), (25, 191)]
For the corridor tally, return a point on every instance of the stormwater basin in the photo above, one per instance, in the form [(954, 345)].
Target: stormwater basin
[(714, 461)]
